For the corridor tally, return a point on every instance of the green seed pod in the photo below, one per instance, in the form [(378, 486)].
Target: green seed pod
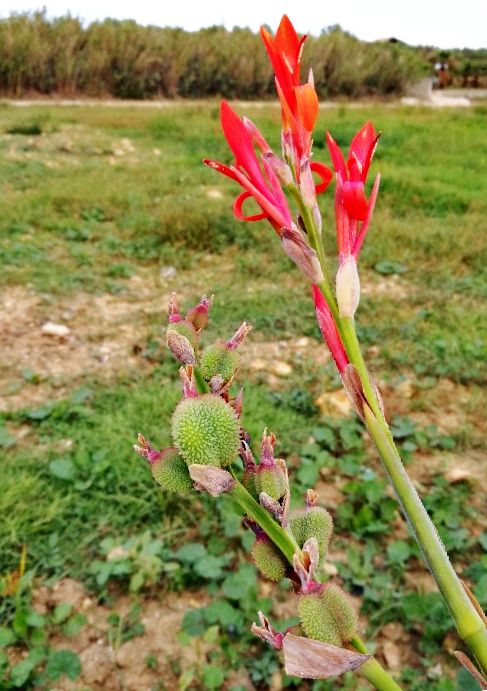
[(268, 559), (336, 602), (219, 360), (328, 616), (248, 481), (186, 329), (205, 430), (314, 521), (269, 478), (171, 472), (317, 622)]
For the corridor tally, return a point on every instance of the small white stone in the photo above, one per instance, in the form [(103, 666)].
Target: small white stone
[(52, 329)]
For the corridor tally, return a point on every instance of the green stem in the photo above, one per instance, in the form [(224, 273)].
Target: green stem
[(352, 346), (467, 620), (201, 384), (371, 669), (280, 537), (378, 676)]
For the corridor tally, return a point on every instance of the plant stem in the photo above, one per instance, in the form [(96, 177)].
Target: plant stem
[(279, 536), (378, 676), (371, 669), (467, 620), (201, 384)]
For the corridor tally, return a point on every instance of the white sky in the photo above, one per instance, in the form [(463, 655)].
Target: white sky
[(447, 23)]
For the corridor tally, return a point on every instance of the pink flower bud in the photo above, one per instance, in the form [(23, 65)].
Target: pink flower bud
[(348, 287)]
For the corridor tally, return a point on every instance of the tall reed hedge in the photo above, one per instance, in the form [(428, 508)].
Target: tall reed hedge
[(126, 60)]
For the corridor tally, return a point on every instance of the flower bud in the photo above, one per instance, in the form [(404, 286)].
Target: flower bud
[(171, 472), (217, 359), (301, 254), (348, 287), (268, 559), (205, 431), (180, 347), (198, 316), (280, 168), (327, 616), (186, 329), (313, 521)]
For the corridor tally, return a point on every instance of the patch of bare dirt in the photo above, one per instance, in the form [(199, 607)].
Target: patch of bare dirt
[(114, 666)]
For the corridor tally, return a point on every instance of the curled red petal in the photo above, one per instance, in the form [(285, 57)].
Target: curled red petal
[(238, 210), (361, 151), (324, 173)]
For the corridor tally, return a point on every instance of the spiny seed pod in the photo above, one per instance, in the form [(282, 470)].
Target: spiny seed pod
[(171, 472), (248, 481), (270, 478), (313, 521), (268, 559), (327, 616), (219, 360), (205, 430), (186, 329)]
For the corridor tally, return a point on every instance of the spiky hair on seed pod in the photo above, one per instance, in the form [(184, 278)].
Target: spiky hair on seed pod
[(205, 430), (312, 521), (170, 471), (268, 559), (217, 359), (326, 615)]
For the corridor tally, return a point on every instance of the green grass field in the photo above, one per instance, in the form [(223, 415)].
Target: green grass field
[(105, 211)]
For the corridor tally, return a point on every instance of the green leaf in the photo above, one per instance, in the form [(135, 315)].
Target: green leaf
[(7, 440), (21, 672), (190, 553), (35, 619), (222, 612), (480, 589), (41, 413), (210, 567), (398, 552), (237, 585), (466, 682), (194, 623), (61, 613), (388, 268), (213, 677), (62, 468), (7, 636), (483, 541), (63, 663), (74, 624)]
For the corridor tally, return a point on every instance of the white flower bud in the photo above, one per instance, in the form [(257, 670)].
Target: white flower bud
[(348, 287)]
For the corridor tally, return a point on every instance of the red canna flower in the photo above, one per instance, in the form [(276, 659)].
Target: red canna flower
[(299, 102), (258, 180), (353, 211), (329, 330)]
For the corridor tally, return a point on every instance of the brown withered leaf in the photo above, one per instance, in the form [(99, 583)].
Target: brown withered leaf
[(470, 667), (310, 659), (211, 479)]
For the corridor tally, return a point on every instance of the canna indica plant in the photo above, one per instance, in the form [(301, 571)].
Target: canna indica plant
[(212, 453)]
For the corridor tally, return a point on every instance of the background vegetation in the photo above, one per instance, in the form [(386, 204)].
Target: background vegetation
[(104, 212), (126, 60)]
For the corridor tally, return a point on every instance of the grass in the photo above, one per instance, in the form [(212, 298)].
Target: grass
[(96, 200)]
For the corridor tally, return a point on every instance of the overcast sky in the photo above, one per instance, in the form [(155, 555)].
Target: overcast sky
[(446, 24)]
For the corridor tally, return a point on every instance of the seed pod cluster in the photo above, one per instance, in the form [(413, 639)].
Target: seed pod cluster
[(268, 559), (313, 521), (170, 471)]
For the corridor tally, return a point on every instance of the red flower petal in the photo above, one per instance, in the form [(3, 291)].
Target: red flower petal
[(307, 104), (329, 330), (238, 212), (361, 151), (354, 200), (336, 157), (240, 142), (324, 173)]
